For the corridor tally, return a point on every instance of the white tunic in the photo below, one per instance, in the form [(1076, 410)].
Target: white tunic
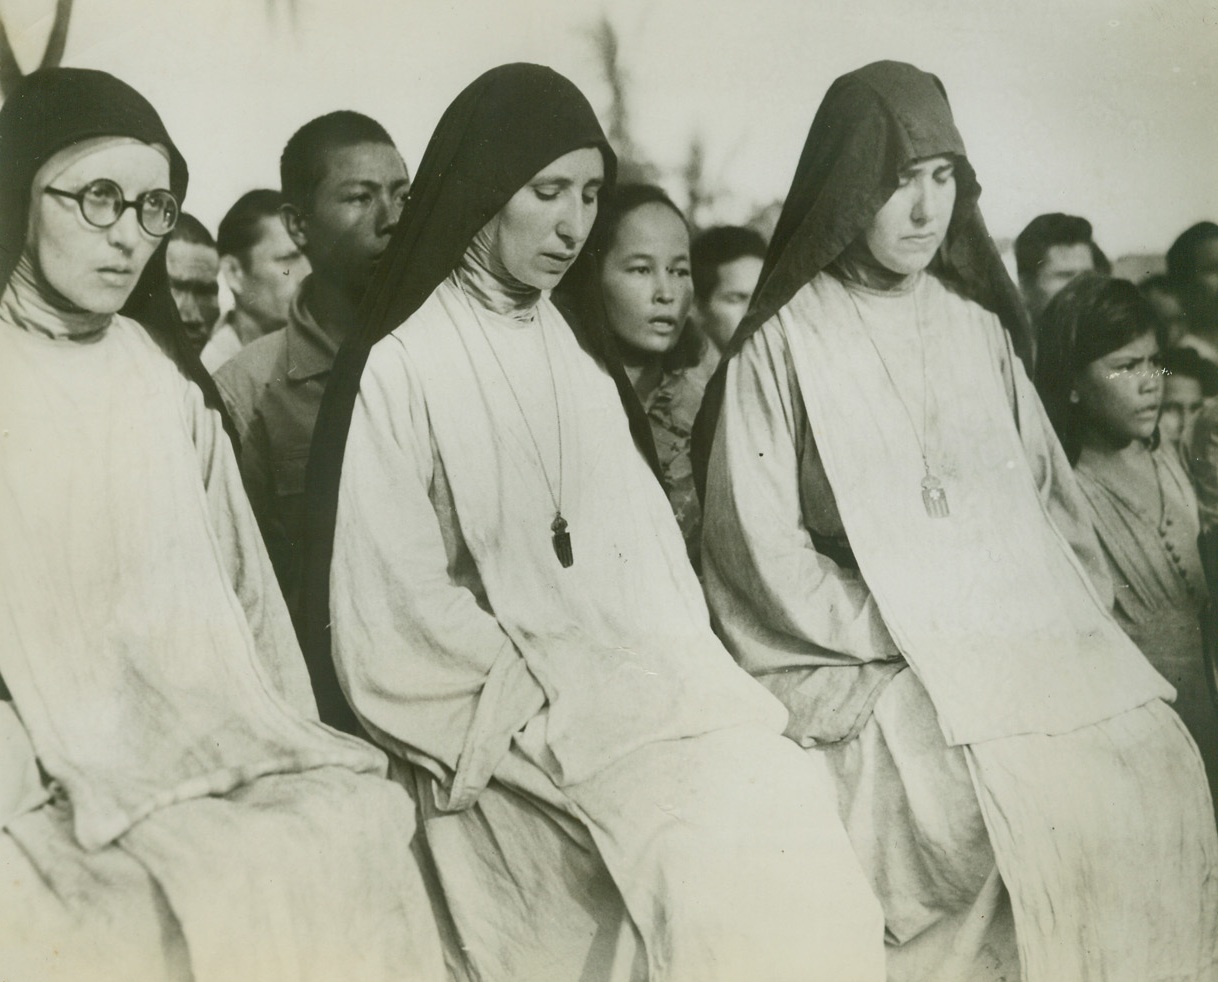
[(202, 814), (560, 711), (1026, 734)]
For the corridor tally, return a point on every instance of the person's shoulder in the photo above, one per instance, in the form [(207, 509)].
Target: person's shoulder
[(420, 337), (436, 310), (823, 300), (244, 377), (1172, 458), (143, 344), (257, 362)]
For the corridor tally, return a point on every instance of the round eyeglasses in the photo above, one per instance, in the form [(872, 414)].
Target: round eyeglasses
[(102, 204)]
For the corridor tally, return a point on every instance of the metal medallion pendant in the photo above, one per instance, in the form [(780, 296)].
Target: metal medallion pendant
[(562, 541), (934, 497)]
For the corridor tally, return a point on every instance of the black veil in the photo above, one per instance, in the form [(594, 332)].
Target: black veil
[(501, 130)]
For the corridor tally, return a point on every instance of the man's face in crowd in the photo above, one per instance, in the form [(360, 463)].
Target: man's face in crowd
[(1182, 404), (352, 213), (1061, 264), (721, 313), (264, 280), (193, 272)]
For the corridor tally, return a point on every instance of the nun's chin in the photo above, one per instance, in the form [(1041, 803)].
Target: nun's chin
[(100, 292)]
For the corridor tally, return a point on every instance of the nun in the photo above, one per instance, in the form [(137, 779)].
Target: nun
[(171, 806), (604, 793), (895, 545)]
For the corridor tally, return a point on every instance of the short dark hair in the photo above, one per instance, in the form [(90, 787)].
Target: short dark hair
[(1182, 256), (302, 166), (614, 205), (190, 229), (717, 247), (1092, 316), (1046, 231), (618, 202), (239, 229), (1187, 362)]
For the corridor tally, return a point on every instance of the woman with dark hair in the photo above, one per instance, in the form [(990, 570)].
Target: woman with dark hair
[(642, 251), (171, 806), (604, 793), (895, 545), (1101, 379)]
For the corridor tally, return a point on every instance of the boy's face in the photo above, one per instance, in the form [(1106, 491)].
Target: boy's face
[(721, 313), (353, 211)]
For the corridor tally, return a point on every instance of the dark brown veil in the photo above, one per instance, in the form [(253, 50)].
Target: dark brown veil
[(871, 123)]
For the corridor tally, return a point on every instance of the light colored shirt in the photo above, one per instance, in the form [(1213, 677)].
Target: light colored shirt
[(222, 345)]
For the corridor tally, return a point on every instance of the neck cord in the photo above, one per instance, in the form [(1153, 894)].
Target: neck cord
[(561, 538), (934, 495)]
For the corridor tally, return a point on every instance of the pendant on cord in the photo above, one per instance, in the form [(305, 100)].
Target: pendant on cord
[(934, 497), (562, 540)]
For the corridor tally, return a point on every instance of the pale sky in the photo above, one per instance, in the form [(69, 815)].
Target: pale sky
[(1105, 108)]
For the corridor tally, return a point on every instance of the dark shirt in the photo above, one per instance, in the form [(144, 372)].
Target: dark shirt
[(273, 389)]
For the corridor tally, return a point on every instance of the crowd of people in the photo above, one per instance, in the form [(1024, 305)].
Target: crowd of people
[(517, 583)]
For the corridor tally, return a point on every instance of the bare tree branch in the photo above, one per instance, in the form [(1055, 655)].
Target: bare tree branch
[(607, 47), (10, 71), (59, 34)]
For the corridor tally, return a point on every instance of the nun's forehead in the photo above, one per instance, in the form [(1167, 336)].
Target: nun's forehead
[(112, 147)]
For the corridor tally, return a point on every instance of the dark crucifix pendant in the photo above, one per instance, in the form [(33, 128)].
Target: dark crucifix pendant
[(934, 498), (562, 541)]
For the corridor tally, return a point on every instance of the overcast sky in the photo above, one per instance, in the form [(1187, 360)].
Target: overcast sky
[(1106, 108)]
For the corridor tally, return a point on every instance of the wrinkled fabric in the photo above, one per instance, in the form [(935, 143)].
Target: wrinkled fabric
[(648, 667), (871, 123), (82, 916), (1161, 595), (112, 553), (501, 130), (1062, 667), (1107, 855), (154, 669), (596, 693), (1047, 658), (913, 817), (671, 409)]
